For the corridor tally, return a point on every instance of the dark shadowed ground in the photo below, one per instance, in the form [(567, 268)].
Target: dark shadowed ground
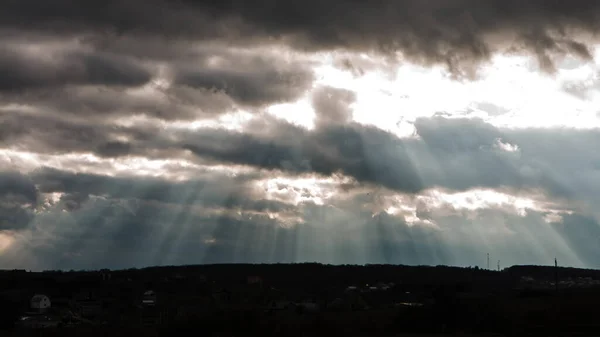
[(305, 300)]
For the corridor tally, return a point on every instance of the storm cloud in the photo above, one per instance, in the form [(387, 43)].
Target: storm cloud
[(453, 33), (22, 71), (456, 154), (253, 82), (18, 199)]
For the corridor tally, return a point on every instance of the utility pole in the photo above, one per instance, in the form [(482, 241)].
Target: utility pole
[(488, 261), (498, 265), (556, 274)]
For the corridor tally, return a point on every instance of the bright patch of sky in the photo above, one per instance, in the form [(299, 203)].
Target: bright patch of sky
[(509, 92)]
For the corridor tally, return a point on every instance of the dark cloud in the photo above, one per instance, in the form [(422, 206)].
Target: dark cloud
[(455, 33), (22, 71), (18, 185), (456, 154), (14, 217), (445, 156), (73, 201), (89, 83), (18, 199), (100, 103), (364, 153), (254, 81), (155, 48), (54, 135), (215, 190)]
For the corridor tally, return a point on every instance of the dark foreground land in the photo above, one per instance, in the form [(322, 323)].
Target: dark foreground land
[(303, 300)]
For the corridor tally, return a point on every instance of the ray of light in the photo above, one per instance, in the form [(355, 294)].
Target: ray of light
[(6, 241)]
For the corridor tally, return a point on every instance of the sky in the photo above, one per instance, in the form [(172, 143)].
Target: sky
[(139, 133)]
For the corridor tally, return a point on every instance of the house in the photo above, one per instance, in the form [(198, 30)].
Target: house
[(40, 303), (38, 322), (254, 280), (149, 298)]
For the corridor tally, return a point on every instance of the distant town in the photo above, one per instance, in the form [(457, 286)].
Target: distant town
[(300, 299)]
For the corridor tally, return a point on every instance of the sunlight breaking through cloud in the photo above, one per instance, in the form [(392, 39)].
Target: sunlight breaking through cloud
[(270, 138)]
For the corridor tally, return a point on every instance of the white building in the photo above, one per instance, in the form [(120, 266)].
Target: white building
[(149, 298), (40, 302)]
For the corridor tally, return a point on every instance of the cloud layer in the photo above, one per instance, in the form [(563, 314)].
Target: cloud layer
[(454, 33)]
